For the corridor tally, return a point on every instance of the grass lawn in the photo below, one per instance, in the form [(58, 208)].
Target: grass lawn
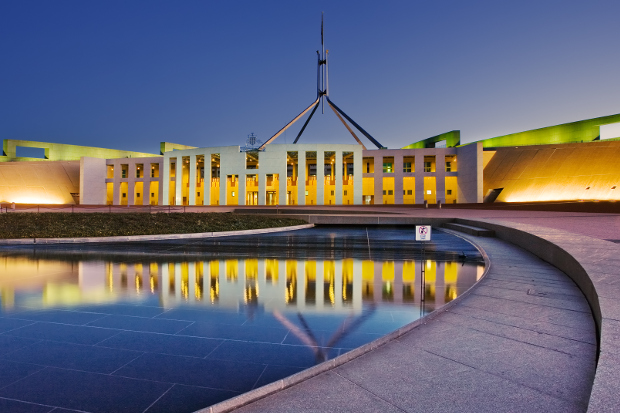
[(67, 225)]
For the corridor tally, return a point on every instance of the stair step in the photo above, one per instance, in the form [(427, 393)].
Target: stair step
[(468, 229)]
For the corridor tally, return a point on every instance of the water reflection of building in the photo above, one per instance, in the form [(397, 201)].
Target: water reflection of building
[(306, 285)]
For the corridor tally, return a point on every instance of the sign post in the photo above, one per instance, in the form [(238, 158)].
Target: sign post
[(423, 233)]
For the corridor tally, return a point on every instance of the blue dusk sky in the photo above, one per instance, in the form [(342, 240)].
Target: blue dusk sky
[(129, 74)]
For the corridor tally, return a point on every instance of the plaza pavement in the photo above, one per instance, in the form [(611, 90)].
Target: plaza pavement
[(524, 339)]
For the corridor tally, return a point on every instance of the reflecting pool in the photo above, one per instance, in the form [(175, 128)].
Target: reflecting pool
[(177, 326)]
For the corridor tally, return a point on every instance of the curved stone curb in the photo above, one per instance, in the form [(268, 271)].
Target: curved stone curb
[(256, 394), (140, 238)]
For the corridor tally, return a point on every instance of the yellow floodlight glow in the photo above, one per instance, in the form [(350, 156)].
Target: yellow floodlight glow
[(33, 199)]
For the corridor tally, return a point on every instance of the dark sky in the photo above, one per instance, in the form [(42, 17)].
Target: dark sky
[(129, 74)]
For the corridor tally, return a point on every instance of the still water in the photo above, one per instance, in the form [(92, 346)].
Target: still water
[(177, 326)]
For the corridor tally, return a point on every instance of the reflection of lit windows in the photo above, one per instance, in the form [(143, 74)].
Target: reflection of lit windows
[(387, 168)]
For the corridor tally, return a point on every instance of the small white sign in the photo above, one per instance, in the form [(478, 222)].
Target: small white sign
[(422, 232)]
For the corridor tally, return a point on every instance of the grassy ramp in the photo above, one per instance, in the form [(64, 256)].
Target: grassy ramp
[(67, 225)]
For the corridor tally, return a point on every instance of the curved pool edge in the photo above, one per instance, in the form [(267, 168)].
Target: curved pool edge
[(141, 238), (274, 387)]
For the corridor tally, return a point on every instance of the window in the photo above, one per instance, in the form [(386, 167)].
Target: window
[(429, 192), (233, 193), (449, 192), (390, 192), (152, 194), (139, 170), (384, 192), (138, 195), (198, 194), (406, 166), (427, 166), (388, 164), (450, 163), (154, 170), (332, 193), (409, 191), (124, 195), (124, 170), (345, 193)]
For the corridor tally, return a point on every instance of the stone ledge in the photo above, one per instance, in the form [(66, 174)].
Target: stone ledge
[(141, 238)]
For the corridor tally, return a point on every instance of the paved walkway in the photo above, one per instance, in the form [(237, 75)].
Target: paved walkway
[(524, 340)]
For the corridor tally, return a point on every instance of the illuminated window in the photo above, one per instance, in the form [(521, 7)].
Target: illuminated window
[(387, 168), (429, 192)]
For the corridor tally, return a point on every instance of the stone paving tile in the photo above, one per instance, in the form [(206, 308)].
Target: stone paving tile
[(323, 393), (529, 336), (574, 319), (581, 334), (90, 392), (16, 406), (607, 387), (466, 390), (610, 336), (554, 300), (521, 285)]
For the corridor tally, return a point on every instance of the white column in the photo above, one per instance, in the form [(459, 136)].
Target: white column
[(192, 180), (207, 184), (262, 188), (320, 177), (338, 176), (178, 186), (358, 175), (164, 176), (419, 177), (301, 177)]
